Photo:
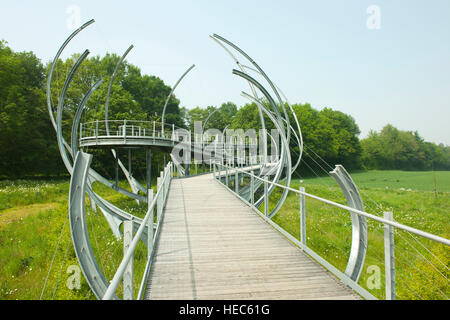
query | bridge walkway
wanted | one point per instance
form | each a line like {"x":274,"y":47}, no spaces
{"x":214,"y":246}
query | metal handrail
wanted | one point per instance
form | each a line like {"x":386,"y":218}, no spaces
{"x":359,"y":212}
{"x":388,"y":222}
{"x":150,"y":129}
{"x":161,"y":192}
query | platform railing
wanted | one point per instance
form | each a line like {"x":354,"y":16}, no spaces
{"x":153,"y":225}
{"x":127,"y":128}
{"x":228,"y":176}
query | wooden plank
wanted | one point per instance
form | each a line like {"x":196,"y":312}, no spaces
{"x":213,"y":246}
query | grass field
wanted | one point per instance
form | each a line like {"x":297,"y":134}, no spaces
{"x":33,"y":223}
{"x":36,"y":249}
{"x":422,"y":266}
{"x":395,"y":179}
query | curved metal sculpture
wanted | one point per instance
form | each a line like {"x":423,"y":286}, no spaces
{"x":116,"y":69}
{"x":348,"y":187}
{"x":80,"y":237}
{"x":359,"y":224}
{"x":168,"y":98}
{"x":278,"y":120}
{"x":135,"y":186}
{"x":78,"y":163}
{"x":83,"y":177}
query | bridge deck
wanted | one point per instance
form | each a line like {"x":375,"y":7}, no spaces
{"x":213,"y":246}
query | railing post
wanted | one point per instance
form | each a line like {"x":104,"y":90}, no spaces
{"x":96,"y":131}
{"x":116,"y":163}
{"x":158,"y":200}
{"x":389,"y":258}
{"x":252,"y":187}
{"x":154,"y":128}
{"x":236,"y":181}
{"x":266,"y":197}
{"x":226,"y":176}
{"x":148,"y":164}
{"x":81,"y":131}
{"x":125,"y":130}
{"x":128,"y":274}
{"x":160,"y":184}
{"x":302,"y":217}
{"x":150,"y":224}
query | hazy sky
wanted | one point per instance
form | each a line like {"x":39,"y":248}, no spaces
{"x":379,"y":61}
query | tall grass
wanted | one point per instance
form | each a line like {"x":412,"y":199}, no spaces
{"x":37,"y":250}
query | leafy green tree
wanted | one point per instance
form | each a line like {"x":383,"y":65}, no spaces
{"x":27,"y":138}
{"x":396,"y":149}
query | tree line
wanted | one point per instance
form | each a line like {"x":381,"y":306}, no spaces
{"x":28,"y":141}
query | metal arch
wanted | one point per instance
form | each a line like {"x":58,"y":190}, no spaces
{"x":116,"y":69}
{"x":263,"y":74}
{"x":52,"y":68}
{"x":59,"y":111}
{"x":79,"y":233}
{"x":299,"y":137}
{"x":78,"y":226}
{"x":277,"y":152}
{"x":111,"y":215}
{"x":284,"y":147}
{"x":280,"y":168}
{"x":359,"y":224}
{"x":263,"y":125}
{"x":77,"y":117}
{"x":135,"y":186}
{"x":62,"y":142}
{"x":168,"y":97}
{"x":207,"y":118}
{"x":272,"y":102}
{"x":80,"y":184}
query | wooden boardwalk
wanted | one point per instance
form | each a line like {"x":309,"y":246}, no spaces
{"x":213,"y":246}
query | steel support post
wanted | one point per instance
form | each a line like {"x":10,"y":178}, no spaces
{"x":150,"y":224}
{"x":125,"y":131}
{"x":266,"y":197}
{"x":148,"y":168}
{"x":159,"y":204}
{"x":96,"y":131}
{"x":128,"y":274}
{"x":129,"y":162}
{"x":117,"y":169}
{"x":302,"y":217}
{"x":226,"y":176}
{"x":236,"y":182}
{"x":389,"y":258}
{"x":252,"y":187}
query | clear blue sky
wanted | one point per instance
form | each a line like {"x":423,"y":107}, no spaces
{"x":321,"y":52}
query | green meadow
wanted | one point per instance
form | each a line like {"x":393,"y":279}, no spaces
{"x":422,"y":266}
{"x":37,"y":256}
